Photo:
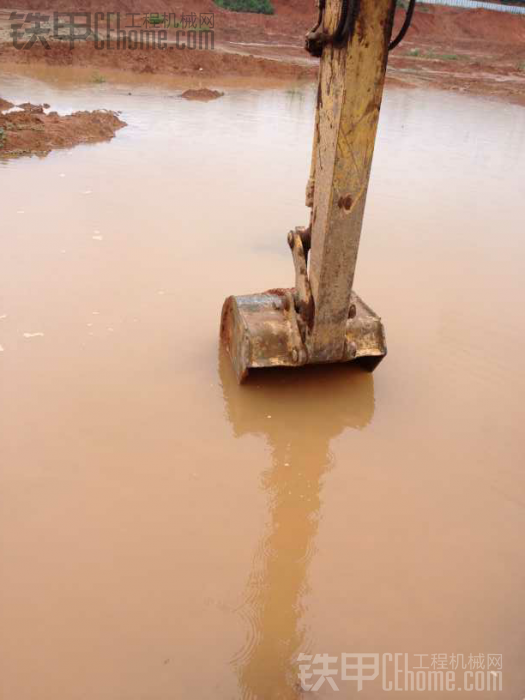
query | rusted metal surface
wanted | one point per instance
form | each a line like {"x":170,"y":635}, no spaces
{"x":321,"y":319}
{"x":321,"y":36}
{"x":299,"y":242}
{"x":349,"y":98}
{"x":262,"y":330}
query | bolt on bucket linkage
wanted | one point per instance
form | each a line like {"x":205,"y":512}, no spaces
{"x":322,"y":319}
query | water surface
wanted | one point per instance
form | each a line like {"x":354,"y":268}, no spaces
{"x":167,"y":534}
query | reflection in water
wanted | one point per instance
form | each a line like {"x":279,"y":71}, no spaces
{"x":273,"y":404}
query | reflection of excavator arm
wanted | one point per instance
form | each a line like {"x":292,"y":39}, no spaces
{"x":274,"y":599}
{"x":321,"y":319}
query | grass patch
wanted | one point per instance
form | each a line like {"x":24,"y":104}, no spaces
{"x":441,"y":56}
{"x":154,"y":18}
{"x":263,"y":7}
{"x":416,"y":53}
{"x":521,"y":66}
{"x":98,"y":78}
{"x":447,"y":56}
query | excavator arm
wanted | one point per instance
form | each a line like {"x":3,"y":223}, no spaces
{"x":321,"y":319}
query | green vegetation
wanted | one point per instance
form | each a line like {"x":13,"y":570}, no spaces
{"x":416,"y":53}
{"x":446,"y":56}
{"x":154,"y":18}
{"x":98,"y":78}
{"x":2,"y":137}
{"x":263,"y":7}
{"x":521,"y":66}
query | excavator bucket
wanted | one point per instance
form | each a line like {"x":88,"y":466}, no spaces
{"x":263,"y":330}
{"x":321,"y":319}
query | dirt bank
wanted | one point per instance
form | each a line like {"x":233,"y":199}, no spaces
{"x":203,"y":64}
{"x":32,"y":131}
{"x":478,"y":51}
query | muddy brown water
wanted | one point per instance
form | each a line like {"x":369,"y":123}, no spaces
{"x":167,"y":534}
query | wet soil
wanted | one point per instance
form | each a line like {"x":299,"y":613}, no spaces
{"x":472,"y":51}
{"x":475,"y":51}
{"x":32,"y":131}
{"x":203,"y":64}
{"x":202,"y":95}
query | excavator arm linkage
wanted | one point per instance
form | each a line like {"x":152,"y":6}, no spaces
{"x":322,"y":319}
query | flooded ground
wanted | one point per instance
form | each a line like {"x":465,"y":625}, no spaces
{"x":167,"y":534}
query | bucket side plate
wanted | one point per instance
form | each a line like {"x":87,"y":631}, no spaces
{"x":365,"y":336}
{"x":262,"y":330}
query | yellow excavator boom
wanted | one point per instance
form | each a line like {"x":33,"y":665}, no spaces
{"x":321,"y":319}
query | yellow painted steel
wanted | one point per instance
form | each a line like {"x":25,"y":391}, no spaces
{"x":322,"y":319}
{"x":349,"y":98}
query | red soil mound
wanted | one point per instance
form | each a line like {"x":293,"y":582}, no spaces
{"x":31,"y":131}
{"x":202,"y":95}
{"x":295,"y":16}
{"x":460,"y":49}
{"x":204,"y":64}
{"x":450,"y":23}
